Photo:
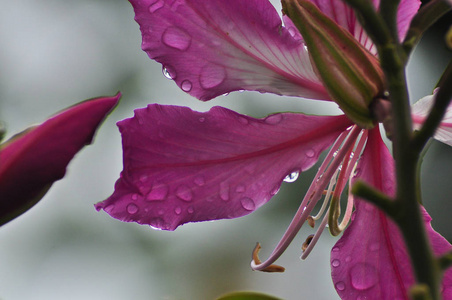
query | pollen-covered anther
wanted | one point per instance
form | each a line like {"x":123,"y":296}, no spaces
{"x":307,"y":242}
{"x":257,"y":261}
{"x":311,"y":221}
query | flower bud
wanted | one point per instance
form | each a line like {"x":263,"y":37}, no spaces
{"x":350,"y":73}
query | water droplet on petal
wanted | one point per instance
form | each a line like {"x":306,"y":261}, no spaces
{"x":212,"y":76}
{"x":335,"y":249}
{"x":199,"y":180}
{"x":176,"y":38}
{"x":158,"y":193}
{"x":168,"y":72}
{"x":363,"y":276}
{"x":243,"y":120}
{"x":340,"y":286}
{"x":202,"y":119}
{"x":178,"y":210}
{"x":274,"y":191}
{"x":274,"y":119}
{"x":291,"y":177}
{"x":224,"y":191}
{"x":190,"y":209}
{"x":132,"y":208}
{"x":336,"y":263}
{"x":186,"y":86}
{"x":310,"y":153}
{"x":248,"y":203}
{"x":134,"y":196}
{"x":156,"y":6}
{"x":183,"y":192}
{"x":240,"y":188}
{"x":158,"y":224}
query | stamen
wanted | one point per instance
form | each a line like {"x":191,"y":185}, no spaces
{"x":307,"y":242}
{"x":314,"y":193}
{"x":314,"y":239}
{"x":349,"y":166}
{"x":311,"y":221}
{"x":257,"y":261}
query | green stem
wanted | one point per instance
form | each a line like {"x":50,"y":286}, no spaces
{"x":381,"y":200}
{"x":388,"y":11}
{"x":409,"y":216}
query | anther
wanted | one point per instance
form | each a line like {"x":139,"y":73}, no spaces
{"x":257,"y":261}
{"x":311,"y":221}
{"x":307,"y":242}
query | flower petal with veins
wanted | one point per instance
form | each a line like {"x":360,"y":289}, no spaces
{"x":214,"y":47}
{"x":370,"y":260}
{"x":183,"y":166}
{"x":421,"y":109}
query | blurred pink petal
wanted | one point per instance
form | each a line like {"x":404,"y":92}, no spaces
{"x":33,"y":160}
{"x":214,"y":47}
{"x":184,"y":166}
{"x":421,"y":109}
{"x":370,"y":260}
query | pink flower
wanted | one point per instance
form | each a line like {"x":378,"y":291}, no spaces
{"x":33,"y":160}
{"x":183,"y":166}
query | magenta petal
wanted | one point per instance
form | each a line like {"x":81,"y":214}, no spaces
{"x":406,"y":11}
{"x":370,"y":260}
{"x":184,"y":166}
{"x":33,"y":160}
{"x":214,"y":47}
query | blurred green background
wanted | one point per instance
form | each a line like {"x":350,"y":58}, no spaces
{"x":56,"y":53}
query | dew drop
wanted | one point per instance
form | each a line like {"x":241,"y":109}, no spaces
{"x":340,"y":286}
{"x":183,"y":192}
{"x":336,"y":263}
{"x":132,"y":208}
{"x":224,"y":191}
{"x":335,"y":249}
{"x":240,"y":188}
{"x":158,"y":193}
{"x":178,"y":210}
{"x":243,"y":120}
{"x":190,"y":209}
{"x":134,"y":196}
{"x":158,"y":224}
{"x":310,"y":153}
{"x":186,"y":86}
{"x":176,"y":38}
{"x":202,"y":120}
{"x":248,"y":203}
{"x":274,"y":119}
{"x":199,"y":181}
{"x":212,"y":76}
{"x":292,"y":176}
{"x":156,"y":6}
{"x":168,"y":72}
{"x":274,"y":191}
{"x":363,"y":276}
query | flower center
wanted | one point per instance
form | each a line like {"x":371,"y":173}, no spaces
{"x":329,"y":183}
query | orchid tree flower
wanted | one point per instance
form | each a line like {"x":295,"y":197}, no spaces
{"x":184,"y":166}
{"x":31,"y":161}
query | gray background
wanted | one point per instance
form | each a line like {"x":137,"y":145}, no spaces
{"x":56,"y":53}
